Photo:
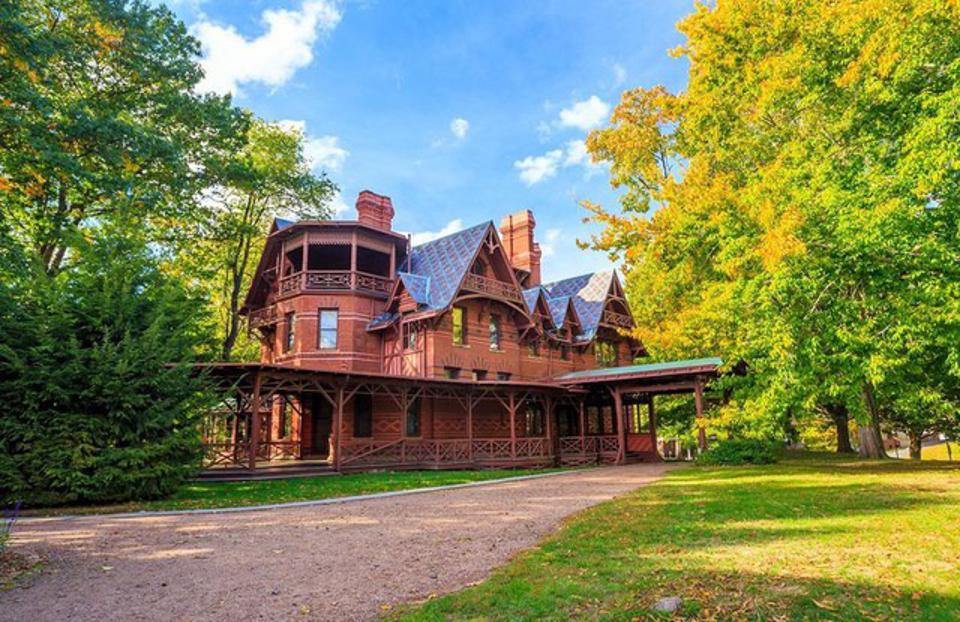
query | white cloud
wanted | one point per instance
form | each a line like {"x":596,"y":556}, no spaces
{"x":534,"y":169}
{"x":427,"y":236}
{"x":548,"y":244}
{"x":586,"y":114}
{"x":619,"y":75}
{"x":459,"y":128}
{"x":339,"y":206}
{"x":286,"y":45}
{"x":321,"y":152}
{"x":324,"y":152}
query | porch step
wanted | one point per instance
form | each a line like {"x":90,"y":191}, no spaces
{"x":277,"y":471}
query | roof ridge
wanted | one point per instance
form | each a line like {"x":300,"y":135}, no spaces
{"x":578,"y":276}
{"x":458,"y":232}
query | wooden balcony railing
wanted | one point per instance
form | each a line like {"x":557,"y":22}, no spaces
{"x":438,"y":452}
{"x":266,"y":316}
{"x":493,"y":287}
{"x":334,"y":280}
{"x":617,"y":320}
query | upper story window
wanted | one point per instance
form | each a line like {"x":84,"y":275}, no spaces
{"x":459,"y":319}
{"x":533,"y":347}
{"x":564,"y":352}
{"x":410,"y":336}
{"x":479,"y":267}
{"x":289,"y":331}
{"x":605,"y":353}
{"x":495,"y":332}
{"x":327,"y":329}
{"x":503,"y":376}
{"x":479,"y":374}
{"x":451,"y":372}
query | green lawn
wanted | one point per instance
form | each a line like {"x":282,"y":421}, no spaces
{"x":819,"y":538}
{"x":233,"y":494}
{"x":939,"y":452}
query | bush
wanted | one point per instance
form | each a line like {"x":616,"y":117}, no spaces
{"x":739,"y":451}
{"x":92,"y":411}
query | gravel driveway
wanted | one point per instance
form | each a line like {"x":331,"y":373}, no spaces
{"x":332,"y":562}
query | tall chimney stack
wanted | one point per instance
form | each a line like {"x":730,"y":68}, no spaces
{"x":524,"y":253}
{"x":375,"y":210}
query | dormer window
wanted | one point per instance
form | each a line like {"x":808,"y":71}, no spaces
{"x":410,"y":336}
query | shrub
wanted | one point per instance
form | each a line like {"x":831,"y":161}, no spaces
{"x":739,"y":451}
{"x":92,"y":411}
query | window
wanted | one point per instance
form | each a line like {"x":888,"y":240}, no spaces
{"x":459,"y":326}
{"x":290,"y":321}
{"x":593,"y":420}
{"x":479,"y":374}
{"x":533,"y":348}
{"x":410,"y":336}
{"x":494,"y":332}
{"x":479,"y":267}
{"x":283,"y":427}
{"x":564,"y":352}
{"x":362,"y":416}
{"x":413,"y":417}
{"x":451,"y":372}
{"x":327,"y":329}
{"x":605,"y":353}
{"x":534,"y":421}
{"x":639,"y":418}
{"x":503,"y":376}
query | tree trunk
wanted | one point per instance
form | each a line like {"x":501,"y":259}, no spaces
{"x":871,"y":440}
{"x":915,"y":447}
{"x":841,"y":421}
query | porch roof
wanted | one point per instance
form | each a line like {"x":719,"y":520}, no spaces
{"x":650,"y":371}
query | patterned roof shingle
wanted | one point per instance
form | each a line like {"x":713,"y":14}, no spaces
{"x":444,"y":262}
{"x":589,"y":294}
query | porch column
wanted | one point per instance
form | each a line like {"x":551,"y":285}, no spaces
{"x":254,"y":422}
{"x":470,"y":427}
{"x":513,"y":426}
{"x":701,"y":424}
{"x":621,"y":429}
{"x":303,"y":261}
{"x":653,"y":421}
{"x":549,"y":414}
{"x":583,"y":425}
{"x":337,"y":428}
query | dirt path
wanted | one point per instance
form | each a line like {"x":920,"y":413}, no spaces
{"x":333,"y":562}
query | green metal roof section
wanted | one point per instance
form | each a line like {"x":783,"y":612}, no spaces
{"x":650,"y":368}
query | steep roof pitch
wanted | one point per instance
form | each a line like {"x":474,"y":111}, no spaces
{"x":443,"y":262}
{"x":589,"y":295}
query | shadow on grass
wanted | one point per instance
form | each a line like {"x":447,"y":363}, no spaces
{"x":757,"y":543}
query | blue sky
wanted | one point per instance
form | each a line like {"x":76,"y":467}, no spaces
{"x":459,"y":111}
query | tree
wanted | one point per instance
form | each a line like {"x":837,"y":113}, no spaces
{"x":797,"y":205}
{"x":99,"y":122}
{"x":95,"y":367}
{"x":269,"y":177}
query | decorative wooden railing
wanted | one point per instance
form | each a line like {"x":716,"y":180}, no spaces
{"x":578,"y":445}
{"x":266,"y":316}
{"x":333,"y":280}
{"x":223,"y":454}
{"x":493,"y":287}
{"x":278,"y":450}
{"x":618,"y":320}
{"x":438,"y":452}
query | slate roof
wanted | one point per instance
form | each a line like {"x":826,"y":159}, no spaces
{"x":443,"y":263}
{"x":530,"y":297}
{"x":588,"y":291}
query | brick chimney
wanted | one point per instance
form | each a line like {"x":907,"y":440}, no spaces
{"x":375,"y":210}
{"x":524,"y":253}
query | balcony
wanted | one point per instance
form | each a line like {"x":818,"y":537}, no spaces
{"x":334,"y":281}
{"x":617,"y":320}
{"x":260,"y":318}
{"x":492,"y":287}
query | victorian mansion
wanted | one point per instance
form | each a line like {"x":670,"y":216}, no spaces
{"x":452,"y":353}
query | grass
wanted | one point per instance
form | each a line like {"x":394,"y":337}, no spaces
{"x":816,"y":538}
{"x":203,"y":495}
{"x":939,"y":452}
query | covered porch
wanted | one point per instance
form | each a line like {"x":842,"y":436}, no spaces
{"x":274,"y":415}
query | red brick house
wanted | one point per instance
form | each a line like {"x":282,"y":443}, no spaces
{"x":453,"y":353}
